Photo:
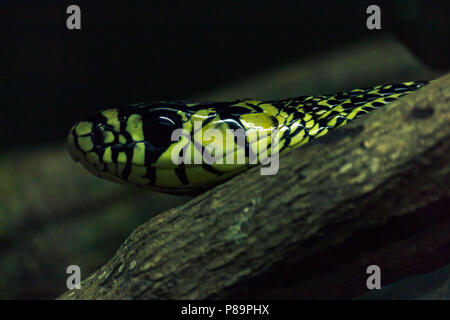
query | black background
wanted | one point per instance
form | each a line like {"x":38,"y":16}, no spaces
{"x":133,"y":51}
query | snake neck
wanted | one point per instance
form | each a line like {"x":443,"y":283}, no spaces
{"x":309,"y":117}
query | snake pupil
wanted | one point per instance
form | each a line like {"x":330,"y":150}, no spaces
{"x":163,"y":132}
{"x":158,"y":128}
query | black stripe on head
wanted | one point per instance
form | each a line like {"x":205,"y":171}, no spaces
{"x":97,"y":119}
{"x":151,"y":175}
{"x":181,"y":174}
{"x":127,"y":169}
{"x":152,"y":153}
{"x":122,"y":115}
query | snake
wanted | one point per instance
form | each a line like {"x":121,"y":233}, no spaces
{"x":135,"y":144}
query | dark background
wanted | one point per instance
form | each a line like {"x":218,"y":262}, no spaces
{"x":131,"y":51}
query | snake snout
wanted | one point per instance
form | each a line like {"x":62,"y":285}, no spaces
{"x":80,"y":147}
{"x":70,"y":144}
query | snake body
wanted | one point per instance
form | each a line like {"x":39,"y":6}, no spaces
{"x":134,"y":145}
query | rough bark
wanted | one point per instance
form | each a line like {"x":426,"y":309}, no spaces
{"x":373,"y":192}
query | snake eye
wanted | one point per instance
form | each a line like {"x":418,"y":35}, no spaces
{"x":97,"y":136}
{"x":158,"y":126}
{"x":161,"y":131}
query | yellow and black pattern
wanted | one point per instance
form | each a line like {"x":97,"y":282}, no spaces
{"x":133,"y":144}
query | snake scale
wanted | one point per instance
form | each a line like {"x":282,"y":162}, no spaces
{"x":134,"y":144}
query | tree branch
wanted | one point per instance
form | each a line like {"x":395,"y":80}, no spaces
{"x":373,"y":192}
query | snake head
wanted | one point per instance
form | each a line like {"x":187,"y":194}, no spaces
{"x":140,"y":144}
{"x":121,"y":144}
